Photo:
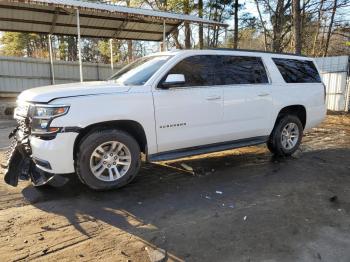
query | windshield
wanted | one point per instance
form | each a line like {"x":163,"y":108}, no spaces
{"x":138,"y":72}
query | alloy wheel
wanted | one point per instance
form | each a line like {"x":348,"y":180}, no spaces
{"x":290,"y":136}
{"x":110,"y":161}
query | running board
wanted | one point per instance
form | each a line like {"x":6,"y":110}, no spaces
{"x":205,"y":149}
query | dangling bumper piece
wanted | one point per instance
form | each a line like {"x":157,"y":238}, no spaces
{"x":20,"y":163}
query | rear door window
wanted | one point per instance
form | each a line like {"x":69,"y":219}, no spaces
{"x":235,"y":70}
{"x":297,"y":71}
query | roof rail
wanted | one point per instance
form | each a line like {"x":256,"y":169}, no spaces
{"x":254,"y":51}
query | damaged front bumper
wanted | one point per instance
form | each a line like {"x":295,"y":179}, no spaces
{"x":20,"y":164}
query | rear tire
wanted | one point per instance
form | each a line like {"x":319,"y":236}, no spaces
{"x":108,"y":159}
{"x":286,"y":136}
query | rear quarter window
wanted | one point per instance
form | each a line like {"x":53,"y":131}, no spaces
{"x":297,"y":71}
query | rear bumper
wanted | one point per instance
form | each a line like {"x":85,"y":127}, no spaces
{"x":55,"y":155}
{"x":315,"y":116}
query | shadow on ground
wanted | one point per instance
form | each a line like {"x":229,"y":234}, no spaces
{"x":246,"y":207}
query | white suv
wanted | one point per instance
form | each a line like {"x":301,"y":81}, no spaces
{"x":168,"y":105}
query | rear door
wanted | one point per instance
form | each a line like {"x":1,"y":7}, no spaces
{"x":247,"y":97}
{"x":189,"y":114}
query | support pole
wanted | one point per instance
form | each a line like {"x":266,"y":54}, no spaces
{"x":52,"y":70}
{"x":164,"y":36}
{"x":111,"y":49}
{"x":79,"y":47}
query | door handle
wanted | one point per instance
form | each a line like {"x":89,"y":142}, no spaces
{"x":211,"y":98}
{"x":263,"y":94}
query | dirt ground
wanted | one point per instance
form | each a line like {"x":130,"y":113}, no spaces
{"x":239,"y":205}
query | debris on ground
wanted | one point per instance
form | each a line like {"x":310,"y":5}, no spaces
{"x":156,"y":255}
{"x":218,"y":192}
{"x":187,"y":167}
{"x":125,"y":254}
{"x":333,"y":199}
{"x":46,"y":228}
{"x":207,"y":197}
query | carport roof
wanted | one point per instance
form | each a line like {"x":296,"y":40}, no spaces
{"x":96,"y":19}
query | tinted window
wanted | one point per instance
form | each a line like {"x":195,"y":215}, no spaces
{"x":198,"y":70}
{"x":241,"y":70}
{"x":297,"y":71}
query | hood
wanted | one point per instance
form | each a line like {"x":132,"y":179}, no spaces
{"x":45,"y":94}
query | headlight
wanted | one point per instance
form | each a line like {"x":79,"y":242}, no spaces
{"x":49,"y":111}
{"x":42,"y":116}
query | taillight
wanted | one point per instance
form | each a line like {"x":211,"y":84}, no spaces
{"x":324,"y":92}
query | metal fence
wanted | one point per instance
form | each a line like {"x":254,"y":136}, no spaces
{"x":335,"y":74}
{"x":18,"y":74}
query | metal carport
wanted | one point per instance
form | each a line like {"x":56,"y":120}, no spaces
{"x":87,"y":19}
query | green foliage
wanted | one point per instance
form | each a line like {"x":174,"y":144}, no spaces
{"x":13,"y":44}
{"x":23,"y":44}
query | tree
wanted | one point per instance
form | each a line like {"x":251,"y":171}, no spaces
{"x":200,"y":31}
{"x":24,"y":44}
{"x":235,"y":38}
{"x":262,"y":24}
{"x":14,"y":44}
{"x":186,"y":10}
{"x":297,"y":26}
{"x":329,"y":34}
{"x":217,"y":10}
{"x":279,"y":15}
{"x":318,"y":26}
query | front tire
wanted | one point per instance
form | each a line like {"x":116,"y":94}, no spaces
{"x":108,"y":159}
{"x":286,"y":136}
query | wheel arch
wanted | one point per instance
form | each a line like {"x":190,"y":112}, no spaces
{"x":132,"y":127}
{"x":297,"y":110}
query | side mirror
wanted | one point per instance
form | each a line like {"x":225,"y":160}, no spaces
{"x":173,"y":80}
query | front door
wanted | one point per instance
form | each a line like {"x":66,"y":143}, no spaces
{"x":191,"y":113}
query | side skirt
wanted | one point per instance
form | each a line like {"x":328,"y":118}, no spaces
{"x":205,"y":149}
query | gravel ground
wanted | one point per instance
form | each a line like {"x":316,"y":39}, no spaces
{"x":239,"y":205}
{"x":6,"y":126}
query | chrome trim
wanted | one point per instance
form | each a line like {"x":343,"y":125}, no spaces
{"x":45,"y":132}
